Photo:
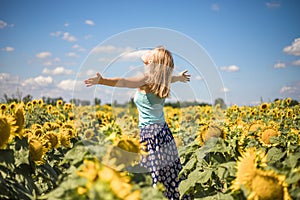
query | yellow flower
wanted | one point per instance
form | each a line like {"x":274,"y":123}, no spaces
{"x":20,"y":119}
{"x":52,"y":137}
{"x":40,"y":102}
{"x":38,"y":132}
{"x":71,"y":116}
{"x":81,"y":190}
{"x":255,"y":127}
{"x":65,"y":139}
{"x":49,"y":108}
{"x":3,"y":107}
{"x":59,"y":103}
{"x":266,"y":185}
{"x":34,"y":102}
{"x":288,"y":101}
{"x":246,"y":170}
{"x":89,"y":133}
{"x":7,"y":129}
{"x":266,"y":135}
{"x":209,"y":131}
{"x":89,"y":170}
{"x":29,"y":105}
{"x":264,"y":106}
{"x":12,"y":106}
{"x":36,"y":149}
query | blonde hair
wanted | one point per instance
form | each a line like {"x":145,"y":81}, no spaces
{"x":160,"y":72}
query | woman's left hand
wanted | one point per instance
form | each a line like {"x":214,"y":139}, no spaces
{"x":184,"y":77}
{"x":93,"y":80}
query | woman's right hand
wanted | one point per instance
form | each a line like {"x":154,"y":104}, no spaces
{"x":93,"y":80}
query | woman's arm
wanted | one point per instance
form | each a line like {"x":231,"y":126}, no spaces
{"x":131,"y":82}
{"x":182,"y":77}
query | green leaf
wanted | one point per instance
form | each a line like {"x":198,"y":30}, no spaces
{"x":293,"y":177}
{"x":292,"y":160}
{"x":275,"y":154}
{"x":22,"y":156}
{"x":190,"y":164}
{"x":7,"y":158}
{"x":204,"y":176}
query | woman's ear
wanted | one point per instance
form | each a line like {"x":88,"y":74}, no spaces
{"x":150,"y":61}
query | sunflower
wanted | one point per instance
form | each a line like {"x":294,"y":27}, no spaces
{"x":255,"y":127}
{"x":209,"y":131}
{"x":89,"y":170}
{"x":20,"y":119}
{"x":71,"y":116}
{"x":59,"y":103}
{"x":40,"y":102}
{"x":125,"y":151}
{"x":38,"y":132}
{"x":288,"y":101}
{"x":89,"y":133}
{"x":50,"y":126}
{"x":36,"y":150}
{"x":246,"y":169}
{"x":12,"y":106}
{"x":29,"y":105}
{"x":266,"y":135}
{"x":267,"y":185}
{"x":7,"y":130}
{"x":3,"y":107}
{"x":52,"y":137}
{"x":65,"y":139}
{"x":34,"y":102}
{"x":119,"y":183}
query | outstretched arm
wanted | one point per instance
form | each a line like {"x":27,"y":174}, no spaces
{"x":132,"y":82}
{"x":182,"y":77}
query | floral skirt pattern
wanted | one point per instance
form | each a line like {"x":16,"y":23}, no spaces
{"x":162,"y":159}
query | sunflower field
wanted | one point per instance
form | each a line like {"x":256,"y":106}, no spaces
{"x":65,"y":151}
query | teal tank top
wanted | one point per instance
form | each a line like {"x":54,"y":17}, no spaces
{"x":150,"y":108}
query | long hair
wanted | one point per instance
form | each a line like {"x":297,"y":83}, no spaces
{"x":160,"y":72}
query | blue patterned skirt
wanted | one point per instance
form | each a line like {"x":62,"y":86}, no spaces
{"x":162,"y":159}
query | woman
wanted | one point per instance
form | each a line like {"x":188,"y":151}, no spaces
{"x":162,"y":158}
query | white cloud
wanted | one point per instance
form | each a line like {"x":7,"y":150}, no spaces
{"x":90,"y":72}
{"x":292,"y":90}
{"x":296,"y":63}
{"x":273,"y":4}
{"x":86,"y":37}
{"x":72,"y":54}
{"x":230,"y":68}
{"x":198,"y":78}
{"x":287,"y":89}
{"x":38,"y":81}
{"x":70,"y":38}
{"x":294,"y":48}
{"x":56,"y":34}
{"x":224,"y":89}
{"x":67,"y":84}
{"x":215,"y":7}
{"x":89,"y":22}
{"x":132,"y":56}
{"x":78,"y":48}
{"x":111,"y":49}
{"x":8,"y":49}
{"x":47,"y":63}
{"x":57,"y":71}
{"x":44,"y":54}
{"x":279,"y":65}
{"x":3,"y":24}
{"x":66,"y":24}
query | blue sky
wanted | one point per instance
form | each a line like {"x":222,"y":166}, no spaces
{"x":46,"y":46}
